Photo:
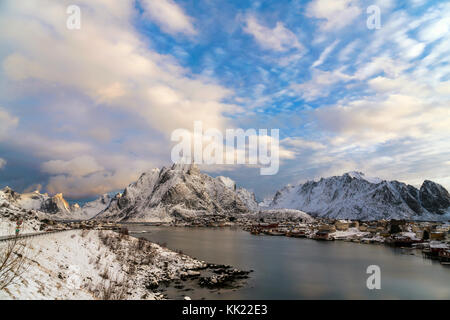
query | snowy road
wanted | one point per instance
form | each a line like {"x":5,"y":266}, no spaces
{"x":29,"y":235}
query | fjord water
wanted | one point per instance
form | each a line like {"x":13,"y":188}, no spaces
{"x":291,"y":268}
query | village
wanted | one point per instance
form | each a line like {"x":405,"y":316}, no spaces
{"x":433,"y":238}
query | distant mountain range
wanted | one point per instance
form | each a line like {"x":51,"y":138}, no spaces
{"x":356,"y":196}
{"x":183,"y":193}
{"x":55,"y":207}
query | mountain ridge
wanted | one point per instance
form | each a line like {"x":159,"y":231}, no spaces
{"x":355,"y":196}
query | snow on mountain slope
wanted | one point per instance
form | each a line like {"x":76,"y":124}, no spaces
{"x":180,"y":192}
{"x":90,"y":209}
{"x":246,"y":196}
{"x":56,"y":207}
{"x":354,"y":196}
{"x":228,"y":182}
{"x":285,"y":215}
{"x":10,"y":213}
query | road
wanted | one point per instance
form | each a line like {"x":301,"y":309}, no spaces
{"x":29,"y":235}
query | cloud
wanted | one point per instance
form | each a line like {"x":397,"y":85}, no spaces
{"x":117,"y":100}
{"x":320,"y":85}
{"x":79,"y":166}
{"x":301,"y":144}
{"x":336,"y":13}
{"x":169,"y":16}
{"x":278,"y":39}
{"x":76,"y":186}
{"x":7,"y":122}
{"x":2,"y":163}
{"x":435,"y":30}
{"x":33,"y":187}
{"x":345,"y":53}
{"x":402,"y":109}
{"x":324,"y":55}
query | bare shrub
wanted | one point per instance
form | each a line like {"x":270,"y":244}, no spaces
{"x":123,"y":232}
{"x":105,"y":274}
{"x":84,"y":233}
{"x":141,"y":244}
{"x":13,"y":262}
{"x":115,"y":288}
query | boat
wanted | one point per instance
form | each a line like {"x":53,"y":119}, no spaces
{"x":297,"y":234}
{"x":444,"y":256}
{"x":274,"y":233}
{"x":322,"y":235}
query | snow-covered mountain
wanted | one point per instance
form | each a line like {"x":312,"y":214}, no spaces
{"x":90,"y":209}
{"x":10,"y":212}
{"x":245,"y":195}
{"x":56,"y":207}
{"x":180,"y":192}
{"x":355,"y":196}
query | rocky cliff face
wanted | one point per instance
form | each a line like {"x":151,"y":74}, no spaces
{"x":180,"y":192}
{"x":434,"y":197}
{"x":355,"y":196}
{"x":56,"y":207}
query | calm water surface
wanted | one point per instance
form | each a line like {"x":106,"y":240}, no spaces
{"x":290,"y":268}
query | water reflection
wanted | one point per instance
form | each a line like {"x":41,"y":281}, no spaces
{"x":290,"y":268}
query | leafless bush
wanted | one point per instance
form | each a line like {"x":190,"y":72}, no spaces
{"x":105,"y":274}
{"x":84,"y":233}
{"x":115,"y":288}
{"x":13,"y":261}
{"x":141,"y":244}
{"x":123,"y":232}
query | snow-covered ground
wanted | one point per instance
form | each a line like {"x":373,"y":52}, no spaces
{"x":7,"y":228}
{"x":350,"y":233}
{"x":83,"y":264}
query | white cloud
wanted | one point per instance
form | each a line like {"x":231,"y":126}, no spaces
{"x":435,"y":30}
{"x":324,"y":55}
{"x":336,"y":13}
{"x":78,"y":167}
{"x":345,"y":53}
{"x":113,"y":85}
{"x":169,"y":16}
{"x":7,"y":122}
{"x":278,"y":39}
{"x":2,"y":163}
{"x":321,"y":84}
{"x":403,"y":109}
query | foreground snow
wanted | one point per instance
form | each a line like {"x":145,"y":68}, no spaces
{"x":81,"y":264}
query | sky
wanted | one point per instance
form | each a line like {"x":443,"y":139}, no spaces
{"x":85,"y":112}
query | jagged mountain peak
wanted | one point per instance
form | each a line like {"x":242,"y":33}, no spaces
{"x":178,"y":192}
{"x":356,"y":196}
{"x":362,"y":176}
{"x":54,"y":207}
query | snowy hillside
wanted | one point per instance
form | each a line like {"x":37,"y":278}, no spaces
{"x":83,"y":264}
{"x":180,"y":192}
{"x":91,"y":209}
{"x":355,"y":196}
{"x":10,"y":212}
